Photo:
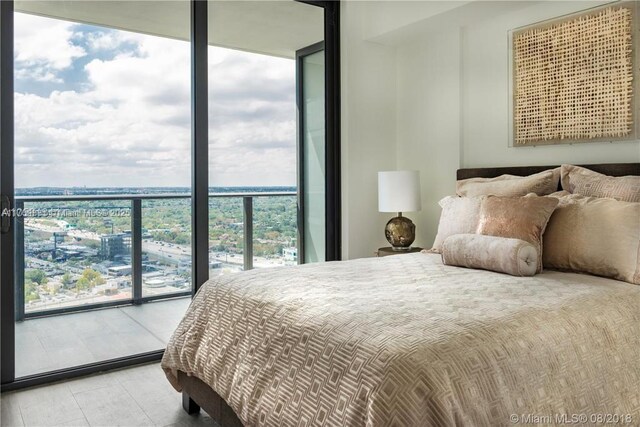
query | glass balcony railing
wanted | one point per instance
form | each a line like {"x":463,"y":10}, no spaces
{"x":83,"y":252}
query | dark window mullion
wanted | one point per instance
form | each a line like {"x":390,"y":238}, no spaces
{"x":7,"y":285}
{"x":333,"y":206}
{"x":199,"y":144}
{"x":136,"y":251}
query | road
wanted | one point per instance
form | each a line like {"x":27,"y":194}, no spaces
{"x":168,"y":253}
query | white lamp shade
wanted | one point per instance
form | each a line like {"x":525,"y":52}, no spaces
{"x":399,"y":191}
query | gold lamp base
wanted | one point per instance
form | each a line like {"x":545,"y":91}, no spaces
{"x":400,"y":233}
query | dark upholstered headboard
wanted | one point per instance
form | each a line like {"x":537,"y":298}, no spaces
{"x":612,"y":169}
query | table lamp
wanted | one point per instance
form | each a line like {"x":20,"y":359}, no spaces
{"x":399,"y":191}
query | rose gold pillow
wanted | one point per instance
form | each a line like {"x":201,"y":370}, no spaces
{"x":459,"y":216}
{"x":523,"y":218}
{"x":594,"y":235}
{"x":543,"y":183}
{"x":578,"y":180}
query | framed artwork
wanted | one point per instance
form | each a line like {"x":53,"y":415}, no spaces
{"x":575,"y":79}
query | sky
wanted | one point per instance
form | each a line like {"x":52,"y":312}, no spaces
{"x":98,"y":107}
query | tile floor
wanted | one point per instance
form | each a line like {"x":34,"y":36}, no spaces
{"x":138,"y":396}
{"x":57,"y":342}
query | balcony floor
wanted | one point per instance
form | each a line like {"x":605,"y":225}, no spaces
{"x":68,"y":340}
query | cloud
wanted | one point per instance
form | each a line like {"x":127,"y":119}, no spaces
{"x":108,"y":40}
{"x":252,"y":117}
{"x":43,"y":47}
{"x":122,"y":118}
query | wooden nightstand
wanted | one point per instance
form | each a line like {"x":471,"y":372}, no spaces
{"x":388,"y":251}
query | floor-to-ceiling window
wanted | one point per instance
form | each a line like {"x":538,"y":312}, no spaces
{"x":102,"y":177}
{"x":253,"y":131}
{"x":101,"y":163}
{"x":104,"y":162}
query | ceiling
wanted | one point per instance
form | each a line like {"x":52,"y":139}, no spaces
{"x":277,"y":28}
{"x":400,"y":22}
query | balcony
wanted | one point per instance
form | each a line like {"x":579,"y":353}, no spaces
{"x":105,"y":276}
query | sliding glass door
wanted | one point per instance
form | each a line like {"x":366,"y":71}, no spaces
{"x":312,"y":152}
{"x":102,"y":225}
{"x":253,"y":120}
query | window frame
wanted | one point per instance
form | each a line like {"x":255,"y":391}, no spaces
{"x":199,"y":165}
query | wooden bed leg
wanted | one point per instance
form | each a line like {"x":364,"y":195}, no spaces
{"x":189,"y":405}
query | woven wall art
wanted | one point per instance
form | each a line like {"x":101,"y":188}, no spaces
{"x":573,"y":79}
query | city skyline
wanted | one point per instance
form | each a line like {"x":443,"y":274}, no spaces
{"x":52,"y":190}
{"x":113,"y":107}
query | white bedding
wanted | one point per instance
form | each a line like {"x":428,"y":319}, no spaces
{"x":405,"y":340}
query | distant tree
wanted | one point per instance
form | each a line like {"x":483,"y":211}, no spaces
{"x":66,"y":279}
{"x":30,"y":291}
{"x":89,"y":279}
{"x":36,"y":276}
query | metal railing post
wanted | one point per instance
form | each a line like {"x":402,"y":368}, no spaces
{"x":19,"y":260}
{"x":136,"y":251}
{"x":247,"y":203}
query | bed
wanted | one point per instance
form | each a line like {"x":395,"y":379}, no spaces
{"x":406,"y":340}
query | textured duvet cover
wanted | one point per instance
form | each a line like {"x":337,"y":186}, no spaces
{"x":407,"y":341}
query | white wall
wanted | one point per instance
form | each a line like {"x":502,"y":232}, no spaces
{"x":428,"y":120}
{"x":368,"y":131}
{"x":485,"y":123}
{"x":448,"y":107}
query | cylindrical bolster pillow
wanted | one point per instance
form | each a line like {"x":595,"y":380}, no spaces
{"x":511,"y":256}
